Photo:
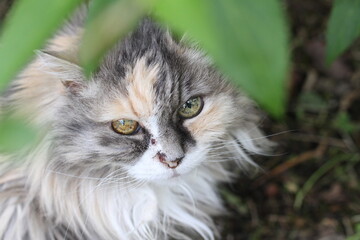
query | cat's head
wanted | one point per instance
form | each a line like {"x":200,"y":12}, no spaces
{"x":155,"y":110}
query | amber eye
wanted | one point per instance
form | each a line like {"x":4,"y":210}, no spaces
{"x":191,"y":107}
{"x":125,"y":126}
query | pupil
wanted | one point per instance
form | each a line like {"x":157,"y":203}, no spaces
{"x":188,"y":104}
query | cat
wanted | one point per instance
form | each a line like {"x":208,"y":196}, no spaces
{"x":136,"y":152}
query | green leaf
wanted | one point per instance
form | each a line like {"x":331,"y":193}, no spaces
{"x":246,"y":38}
{"x":356,"y":235}
{"x":235,"y":201}
{"x":343,"y":27}
{"x":96,"y":7}
{"x":343,"y":123}
{"x":29,"y":24}
{"x":108,"y":22}
{"x":14,"y":134}
{"x":311,"y":101}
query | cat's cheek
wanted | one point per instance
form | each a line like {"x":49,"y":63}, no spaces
{"x":194,"y":158}
{"x":212,"y":123}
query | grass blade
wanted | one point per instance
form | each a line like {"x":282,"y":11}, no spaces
{"x":315,"y":177}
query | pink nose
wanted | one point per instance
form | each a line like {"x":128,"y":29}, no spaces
{"x":170,"y":164}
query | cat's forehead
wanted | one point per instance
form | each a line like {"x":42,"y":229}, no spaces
{"x":148,"y":90}
{"x":144,"y":91}
{"x":150,"y":74}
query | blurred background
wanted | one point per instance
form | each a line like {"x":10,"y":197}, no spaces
{"x":309,"y":189}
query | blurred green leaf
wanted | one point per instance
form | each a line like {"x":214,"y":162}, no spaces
{"x":356,"y":236}
{"x":29,"y":24}
{"x":343,"y":27}
{"x":14,"y":134}
{"x":96,"y":7}
{"x":108,"y":22}
{"x":310,"y":102}
{"x":343,"y":123}
{"x":247,"y":39}
{"x":235,"y":201}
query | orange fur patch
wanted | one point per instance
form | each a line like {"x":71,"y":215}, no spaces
{"x":213,"y":120}
{"x":139,"y":102}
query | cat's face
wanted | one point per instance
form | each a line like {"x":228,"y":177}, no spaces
{"x":153,"y":111}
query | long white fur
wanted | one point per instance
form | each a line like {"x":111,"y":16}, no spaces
{"x":113,"y":210}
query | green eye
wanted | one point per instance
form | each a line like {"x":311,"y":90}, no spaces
{"x":125,"y":126}
{"x":191,"y":107}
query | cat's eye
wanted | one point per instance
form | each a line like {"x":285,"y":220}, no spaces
{"x":191,"y":108}
{"x":125,"y":126}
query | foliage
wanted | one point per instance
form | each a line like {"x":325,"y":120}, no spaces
{"x":29,"y":24}
{"x":14,"y":134}
{"x":100,"y":34}
{"x":300,"y":195}
{"x":344,"y":123}
{"x":343,"y":27}
{"x":356,"y":236}
{"x":231,"y":31}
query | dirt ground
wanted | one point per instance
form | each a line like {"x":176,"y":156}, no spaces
{"x":310,"y":189}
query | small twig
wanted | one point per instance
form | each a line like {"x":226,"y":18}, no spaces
{"x":349,"y":99}
{"x":310,"y":81}
{"x":348,"y":226}
{"x":303,"y":137}
{"x":349,"y":142}
{"x":318,"y":152}
{"x":254,"y":213}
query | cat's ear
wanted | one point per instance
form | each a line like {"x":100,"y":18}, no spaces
{"x":63,"y":67}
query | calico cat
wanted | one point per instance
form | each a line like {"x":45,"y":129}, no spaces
{"x":136,"y":152}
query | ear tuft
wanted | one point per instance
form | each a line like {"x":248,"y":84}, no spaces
{"x":73,"y":87}
{"x":69,"y":73}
